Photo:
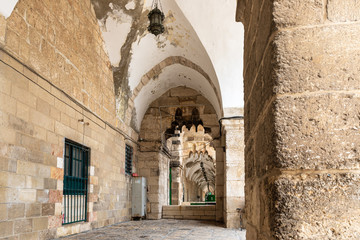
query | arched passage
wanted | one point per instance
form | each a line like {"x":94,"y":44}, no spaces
{"x":171,"y":72}
{"x":156,"y":158}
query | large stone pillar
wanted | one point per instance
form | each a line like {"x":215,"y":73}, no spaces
{"x":302,"y":101}
{"x":234,"y":172}
{"x":176,"y":184}
{"x":219,"y":179}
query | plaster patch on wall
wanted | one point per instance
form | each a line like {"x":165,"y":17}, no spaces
{"x":122,"y":22}
{"x":130,"y":6}
{"x":177,"y":35}
{"x":121,"y":73}
{"x":115,"y":28}
{"x":6,"y":7}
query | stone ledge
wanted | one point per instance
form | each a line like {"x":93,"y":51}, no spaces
{"x":189,"y":212}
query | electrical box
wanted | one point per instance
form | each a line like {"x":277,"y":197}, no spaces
{"x":139,"y":197}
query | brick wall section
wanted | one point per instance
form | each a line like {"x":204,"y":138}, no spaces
{"x":301,"y":118}
{"x":35,"y":117}
{"x":61,"y":40}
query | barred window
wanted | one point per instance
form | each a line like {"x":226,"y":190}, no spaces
{"x":76,"y":165}
{"x":128,"y":159}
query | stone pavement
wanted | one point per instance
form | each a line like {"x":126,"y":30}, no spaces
{"x":162,"y":229}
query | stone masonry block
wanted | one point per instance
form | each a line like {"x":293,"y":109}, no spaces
{"x":8,"y":105}
{"x":252,"y":210}
{"x":264,"y":146}
{"x":54,"y":221}
{"x":6,"y":228}
{"x":290,"y":13}
{"x":343,"y":11}
{"x":12,"y":180}
{"x":327,"y":137}
{"x":256,"y":41}
{"x":16,"y":210}
{"x":304,"y":202}
{"x":23,"y":226}
{"x":29,"y":236}
{"x":48,"y":209}
{"x":27,"y":195}
{"x":3,"y":212}
{"x":40,"y":223}
{"x":317,"y":59}
{"x":57,"y":173}
{"x":42,"y":196}
{"x":33,"y":210}
{"x":258,"y":94}
{"x":55,"y":196}
{"x":12,"y":40}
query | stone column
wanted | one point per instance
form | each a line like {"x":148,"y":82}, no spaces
{"x":176,"y":185}
{"x":219,"y":188}
{"x":234,"y":172}
{"x":302,"y":101}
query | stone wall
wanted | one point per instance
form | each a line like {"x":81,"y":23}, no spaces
{"x":55,"y":84}
{"x":301,"y":118}
{"x":35,"y":119}
{"x":61,"y":41}
{"x":154,"y":166}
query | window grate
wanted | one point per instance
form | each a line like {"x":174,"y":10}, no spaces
{"x":75,"y":182}
{"x":128,"y":159}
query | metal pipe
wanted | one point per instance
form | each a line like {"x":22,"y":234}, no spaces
{"x":228,"y":118}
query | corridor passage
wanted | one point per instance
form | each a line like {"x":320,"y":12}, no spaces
{"x":162,"y":229}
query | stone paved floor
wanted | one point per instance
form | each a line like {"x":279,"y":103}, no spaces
{"x":162,"y":229}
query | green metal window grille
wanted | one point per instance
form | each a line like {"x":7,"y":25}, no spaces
{"x":76,"y":164}
{"x":128,"y":159}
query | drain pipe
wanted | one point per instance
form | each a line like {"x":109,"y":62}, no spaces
{"x":228,"y":118}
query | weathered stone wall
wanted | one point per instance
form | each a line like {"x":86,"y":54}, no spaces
{"x":35,"y":117}
{"x":61,"y":76}
{"x":61,"y":41}
{"x":302,"y":118}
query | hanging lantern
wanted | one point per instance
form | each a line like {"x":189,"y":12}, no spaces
{"x":156,"y":17}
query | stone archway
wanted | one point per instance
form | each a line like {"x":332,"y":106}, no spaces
{"x":153,"y":74}
{"x":154,"y":159}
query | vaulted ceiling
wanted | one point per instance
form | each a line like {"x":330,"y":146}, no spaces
{"x":201,"y":48}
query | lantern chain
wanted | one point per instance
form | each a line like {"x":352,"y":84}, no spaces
{"x":157,"y":3}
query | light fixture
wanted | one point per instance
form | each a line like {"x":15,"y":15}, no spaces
{"x":156,"y":17}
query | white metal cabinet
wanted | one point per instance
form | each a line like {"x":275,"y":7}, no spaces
{"x":138,"y":197}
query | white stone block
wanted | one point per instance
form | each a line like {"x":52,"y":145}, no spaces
{"x":92,"y":171}
{"x":60,"y":162}
{"x":91,"y":188}
{"x":60,"y":185}
{"x":58,"y":207}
